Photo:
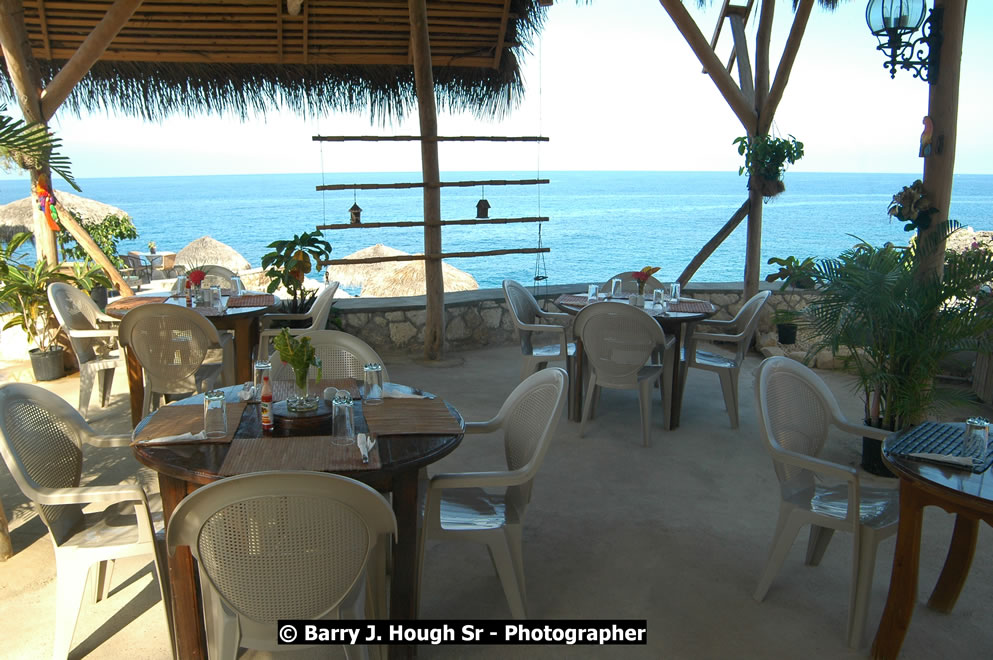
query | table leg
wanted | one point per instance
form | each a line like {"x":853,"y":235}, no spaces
{"x":403,"y":586}
{"x":136,"y":385}
{"x":576,"y":366}
{"x":245,"y":338}
{"x":903,"y":580}
{"x":187,"y":613}
{"x":957,"y":564}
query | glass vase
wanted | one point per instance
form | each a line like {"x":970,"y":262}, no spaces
{"x":301,"y":400}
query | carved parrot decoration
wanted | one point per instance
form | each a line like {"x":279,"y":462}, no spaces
{"x":926,"y":138}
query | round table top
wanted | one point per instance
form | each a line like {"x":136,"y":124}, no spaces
{"x":201,"y":463}
{"x":229,"y":312}
{"x":667,"y":318}
{"x":950,"y":482}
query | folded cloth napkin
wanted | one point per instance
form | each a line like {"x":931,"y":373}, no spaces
{"x":247,"y":393}
{"x":394,"y":393}
{"x":365,"y":443}
{"x":184,"y":438}
{"x":957,"y":461}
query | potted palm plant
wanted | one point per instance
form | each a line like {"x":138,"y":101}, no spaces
{"x":899,"y":323}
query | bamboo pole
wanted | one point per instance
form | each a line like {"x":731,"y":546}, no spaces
{"x":443,"y":223}
{"x":86,"y":55}
{"x":432,"y":184}
{"x":725,"y":83}
{"x":768,"y":111}
{"x":943,"y":109}
{"x":92,"y":249}
{"x":427,"y":257}
{"x":420,"y":43}
{"x":744,"y":62}
{"x":713,"y":244}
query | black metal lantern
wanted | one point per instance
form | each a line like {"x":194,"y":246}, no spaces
{"x":356,"y":214}
{"x":895,"y":24}
{"x":482,"y":209}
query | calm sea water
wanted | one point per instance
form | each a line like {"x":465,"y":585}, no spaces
{"x":601,"y":223}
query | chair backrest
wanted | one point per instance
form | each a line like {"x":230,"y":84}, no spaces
{"x":746,"y":321}
{"x":618,"y":340}
{"x":321,"y":308}
{"x":282,"y":545}
{"x":795,"y":409}
{"x":76,"y":311}
{"x":170,"y":342}
{"x":218,"y":276}
{"x":168,"y":261}
{"x":342,"y":356}
{"x":530,"y":416}
{"x":523,"y":309}
{"x":630,"y":285}
{"x":132,"y":261}
{"x":41,"y":442}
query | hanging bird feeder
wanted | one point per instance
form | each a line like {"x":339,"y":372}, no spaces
{"x":482,"y":206}
{"x":356,"y":214}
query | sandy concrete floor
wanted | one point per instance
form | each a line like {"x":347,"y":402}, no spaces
{"x":676,"y":534}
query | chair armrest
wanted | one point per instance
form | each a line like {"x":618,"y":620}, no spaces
{"x":863,"y":430}
{"x":107,"y":319}
{"x":556,"y":316}
{"x":109,"y":440}
{"x":818,"y":465}
{"x":476,"y":480}
{"x":267,"y":319}
{"x":93,"y":333}
{"x":489,"y":426}
{"x":539,"y":327}
{"x":88,"y":494}
{"x":716,"y":336}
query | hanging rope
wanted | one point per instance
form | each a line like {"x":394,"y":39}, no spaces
{"x":540,"y":269}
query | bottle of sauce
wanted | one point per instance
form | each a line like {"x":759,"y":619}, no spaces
{"x":266,"y":404}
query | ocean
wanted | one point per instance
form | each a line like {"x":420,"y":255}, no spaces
{"x":600,"y":223}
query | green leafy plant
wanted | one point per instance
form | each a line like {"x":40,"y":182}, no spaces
{"x":786,"y":316}
{"x":898,"y":323}
{"x":299,"y":354}
{"x":87,"y":275}
{"x":106,"y":234}
{"x":24,"y":289}
{"x":32,"y":146}
{"x":766,"y":157}
{"x":288,"y":264}
{"x":793,"y":272}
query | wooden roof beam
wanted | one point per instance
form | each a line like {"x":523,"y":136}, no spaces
{"x":785,"y":64}
{"x":498,"y":47}
{"x":88,"y":53}
{"x":725,"y":83}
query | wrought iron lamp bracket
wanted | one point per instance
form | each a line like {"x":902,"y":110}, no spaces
{"x":922,"y":55}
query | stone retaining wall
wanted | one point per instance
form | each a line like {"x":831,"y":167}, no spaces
{"x":480,"y":318}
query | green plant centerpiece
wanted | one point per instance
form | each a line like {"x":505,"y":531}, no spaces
{"x":793,"y":272}
{"x":299,"y":354}
{"x":766,"y":158}
{"x":288,"y":265}
{"x":894,"y":323}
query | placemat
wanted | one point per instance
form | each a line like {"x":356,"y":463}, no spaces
{"x":130,"y":302}
{"x":205,"y":310}
{"x":252,"y":300}
{"x":691,"y":307}
{"x":572,"y":300}
{"x":935,"y":438}
{"x":306,"y":452}
{"x":411,"y":417}
{"x":176,"y":420}
{"x":282,"y":389}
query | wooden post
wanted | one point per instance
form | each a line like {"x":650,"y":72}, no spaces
{"x":6,"y":548}
{"x":434,"y":326}
{"x":943,"y":108}
{"x":713,"y":244}
{"x":86,"y":241}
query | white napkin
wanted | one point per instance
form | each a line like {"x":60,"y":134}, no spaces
{"x":185,"y":438}
{"x":394,"y":393}
{"x":247,"y":393}
{"x":957,"y":461}
{"x":365,"y":443}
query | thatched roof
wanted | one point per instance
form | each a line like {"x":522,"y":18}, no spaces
{"x":356,"y":274}
{"x":206,"y":251}
{"x":255,"y":55}
{"x":408,"y":280}
{"x":15,"y":217}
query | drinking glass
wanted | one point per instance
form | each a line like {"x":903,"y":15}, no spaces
{"x":373,"y":392}
{"x":215,"y":420}
{"x":343,"y":421}
{"x":675,"y":292}
{"x":975,"y":440}
{"x":615,"y":287}
{"x":261,"y":369}
{"x":215,"y":297}
{"x":591,"y":294}
{"x":181,"y":285}
{"x":237,"y":286}
{"x":658,"y":299}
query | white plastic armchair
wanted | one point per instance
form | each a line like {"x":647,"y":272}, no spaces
{"x":93,"y":336}
{"x":739,"y":331}
{"x":529,"y":319}
{"x":284,"y":545}
{"x":41,"y":440}
{"x":795,"y":411}
{"x":626,"y":350}
{"x":317,"y":317}
{"x":489,"y":507}
{"x":342,"y":356}
{"x":173,"y":345}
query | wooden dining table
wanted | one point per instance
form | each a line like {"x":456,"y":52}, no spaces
{"x":677,"y":322}
{"x":182,"y":468}
{"x":243,"y":321}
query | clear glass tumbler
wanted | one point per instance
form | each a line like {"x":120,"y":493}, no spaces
{"x":615,"y":287}
{"x":592,"y":293}
{"x":976,"y":440}
{"x":261,"y":369}
{"x":343,"y":419}
{"x":372,"y":394}
{"x":237,"y":286}
{"x":215,"y":419}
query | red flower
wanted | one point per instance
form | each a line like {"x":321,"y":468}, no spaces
{"x":643,"y":274}
{"x":196,"y":276}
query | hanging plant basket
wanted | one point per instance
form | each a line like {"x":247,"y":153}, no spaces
{"x":771,"y":187}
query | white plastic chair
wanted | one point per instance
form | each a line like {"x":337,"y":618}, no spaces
{"x":622,"y":345}
{"x":529,"y":318}
{"x":795,"y":410}
{"x":93,"y":336}
{"x":41,"y":440}
{"x":283,"y":545}
{"x":342,"y":356}
{"x":489,"y":507}
{"x":173,"y":345}
{"x":317,"y":316}
{"x":738,"y":331}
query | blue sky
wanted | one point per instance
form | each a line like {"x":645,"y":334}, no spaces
{"x":615,"y":87}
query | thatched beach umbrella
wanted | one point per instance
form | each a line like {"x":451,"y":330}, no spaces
{"x":357,"y":274}
{"x":15,"y":217}
{"x":206,"y":251}
{"x":408,"y":280}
